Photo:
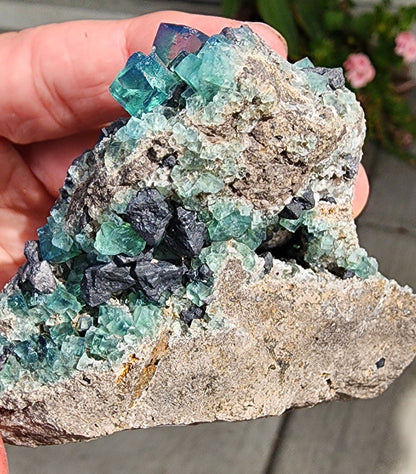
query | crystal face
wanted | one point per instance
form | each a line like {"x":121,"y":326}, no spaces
{"x":108,"y":272}
{"x":171,"y":40}
{"x":143,"y":84}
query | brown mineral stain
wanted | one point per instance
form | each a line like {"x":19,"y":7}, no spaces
{"x":127,"y":367}
{"x":149,"y":370}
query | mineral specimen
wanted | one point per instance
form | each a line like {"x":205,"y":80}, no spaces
{"x":201,"y":262}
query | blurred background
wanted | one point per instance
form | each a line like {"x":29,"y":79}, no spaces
{"x":361,"y":436}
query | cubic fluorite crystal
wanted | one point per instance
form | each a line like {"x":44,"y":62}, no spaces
{"x":201,"y":262}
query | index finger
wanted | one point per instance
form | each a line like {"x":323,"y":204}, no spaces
{"x":58,"y":75}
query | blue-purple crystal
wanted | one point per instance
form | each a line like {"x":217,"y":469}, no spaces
{"x":171,"y":40}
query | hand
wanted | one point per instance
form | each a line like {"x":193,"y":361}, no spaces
{"x":57,"y":99}
{"x":3,"y":459}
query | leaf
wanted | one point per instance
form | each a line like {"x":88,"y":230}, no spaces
{"x":230,"y":7}
{"x":333,"y":20}
{"x":279,"y":15}
{"x":309,"y":16}
{"x":406,"y":16}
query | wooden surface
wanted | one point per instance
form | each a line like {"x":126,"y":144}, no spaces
{"x":217,"y":448}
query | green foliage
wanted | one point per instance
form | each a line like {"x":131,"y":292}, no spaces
{"x":328,"y":31}
{"x":278,"y":14}
{"x":230,"y":7}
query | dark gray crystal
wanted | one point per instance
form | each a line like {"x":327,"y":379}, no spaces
{"x":36,"y":274}
{"x":169,"y":161}
{"x":32,"y":251}
{"x":185,"y":234}
{"x":329,"y":199}
{"x":188,"y":315}
{"x":343,"y":273}
{"x":350,"y":167}
{"x":155,"y":278}
{"x":203,"y":274}
{"x":268,"y":262}
{"x":149,"y":214}
{"x":113,"y":128}
{"x":298,"y":204}
{"x":380,"y":363}
{"x":334,"y":75}
{"x":123,"y":260}
{"x":101,"y":282}
{"x":5,"y":353}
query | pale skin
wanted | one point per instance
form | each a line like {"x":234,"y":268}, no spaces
{"x":55,"y":99}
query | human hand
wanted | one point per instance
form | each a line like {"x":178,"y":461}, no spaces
{"x":57,"y":99}
{"x":3,"y":459}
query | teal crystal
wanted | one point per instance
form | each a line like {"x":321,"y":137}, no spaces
{"x":84,"y":322}
{"x":304,"y":63}
{"x":114,"y":238}
{"x":361,"y":264}
{"x":146,"y":318}
{"x":214,"y":256}
{"x":59,"y":332}
{"x":209,"y":70}
{"x":99,"y":344}
{"x":102,"y":305}
{"x":198,"y":292}
{"x":189,"y":183}
{"x":27,"y":353}
{"x":143,"y":84}
{"x":55,"y":245}
{"x":17,"y":304}
{"x":252,"y":237}
{"x":317,"y":82}
{"x":116,"y":319}
{"x":229,"y":220}
{"x":10,"y":373}
{"x":232,"y":225}
{"x":63,"y":303}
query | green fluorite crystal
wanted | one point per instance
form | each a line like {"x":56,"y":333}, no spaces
{"x":114,"y":238}
{"x":111,"y":290}
{"x":143,"y":84}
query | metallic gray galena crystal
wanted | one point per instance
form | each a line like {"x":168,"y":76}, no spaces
{"x":202,"y":261}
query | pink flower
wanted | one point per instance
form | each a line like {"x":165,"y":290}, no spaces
{"x":406,"y":46}
{"x":358,"y":70}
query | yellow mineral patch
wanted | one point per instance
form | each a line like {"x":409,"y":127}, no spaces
{"x":132,"y":359}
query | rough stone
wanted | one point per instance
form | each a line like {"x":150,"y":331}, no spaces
{"x":102,"y":281}
{"x":250,"y":295}
{"x":149,"y":214}
{"x":155,"y":278}
{"x":185,"y":234}
{"x":188,"y":315}
{"x":335,"y":76}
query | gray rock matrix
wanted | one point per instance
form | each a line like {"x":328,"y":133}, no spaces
{"x":292,"y":336}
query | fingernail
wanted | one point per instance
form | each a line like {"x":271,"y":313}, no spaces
{"x":269,"y":29}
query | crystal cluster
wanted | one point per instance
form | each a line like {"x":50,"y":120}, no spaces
{"x":231,"y":154}
{"x":93,"y":289}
